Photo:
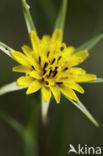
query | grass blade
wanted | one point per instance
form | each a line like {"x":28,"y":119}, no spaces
{"x":27,"y":16}
{"x":83,"y":109}
{"x":89,"y":44}
{"x":6,"y":49}
{"x":11,"y":122}
{"x":61,"y":17}
{"x":10,"y":88}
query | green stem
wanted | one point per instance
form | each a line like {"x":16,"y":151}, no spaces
{"x":29,"y":135}
{"x":29,"y":144}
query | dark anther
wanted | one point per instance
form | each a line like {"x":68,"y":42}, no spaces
{"x":45,"y":65}
{"x":39,"y":60}
{"x":65,"y":69}
{"x":6,"y":48}
{"x":42,"y":79}
{"x":59,"y":83}
{"x":55,"y":72}
{"x":48,"y":53}
{"x":33,"y":68}
{"x":44,"y":72}
{"x":47,"y":83}
{"x":56,"y":68}
{"x":62,"y":48}
{"x":59,"y":58}
{"x":53,"y":61}
{"x":50,"y":73}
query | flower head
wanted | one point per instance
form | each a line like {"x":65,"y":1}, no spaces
{"x":51,"y":66}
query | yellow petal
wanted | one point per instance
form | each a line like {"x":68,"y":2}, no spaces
{"x":22,"y":69}
{"x":33,"y":62}
{"x":75,"y":86}
{"x":27,"y":50}
{"x":69,"y":93}
{"x":57,"y":36}
{"x":35,"y":74}
{"x":20,"y":58}
{"x":76,"y":59}
{"x":77,"y":71}
{"x":45,"y":39}
{"x":82,"y":55}
{"x":80,"y":75}
{"x":46,"y":93}
{"x":56,"y":92}
{"x":24,"y":81}
{"x":35,"y":43}
{"x":85,"y":78}
{"x":68,"y":51}
{"x":34,"y":86}
{"x":79,"y":58}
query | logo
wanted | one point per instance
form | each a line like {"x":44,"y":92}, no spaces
{"x":85,"y":150}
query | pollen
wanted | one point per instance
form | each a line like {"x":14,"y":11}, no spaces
{"x":51,"y":66}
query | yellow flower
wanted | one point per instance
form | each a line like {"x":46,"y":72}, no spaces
{"x":51,"y":66}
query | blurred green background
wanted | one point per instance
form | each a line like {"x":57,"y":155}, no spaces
{"x":66,"y":123}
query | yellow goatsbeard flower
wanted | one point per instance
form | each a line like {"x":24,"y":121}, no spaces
{"x":50,"y":66}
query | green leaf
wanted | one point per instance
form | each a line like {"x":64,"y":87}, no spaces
{"x":27,"y":16}
{"x":12,"y":123}
{"x":83,"y":109}
{"x":45,"y":107}
{"x":89,"y":44}
{"x":61,"y":17}
{"x":6,"y":49}
{"x":10,"y":88}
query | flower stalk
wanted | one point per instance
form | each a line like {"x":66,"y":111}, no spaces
{"x":29,"y":144}
{"x":30,"y":133}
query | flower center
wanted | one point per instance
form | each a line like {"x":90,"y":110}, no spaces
{"x":52,"y":69}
